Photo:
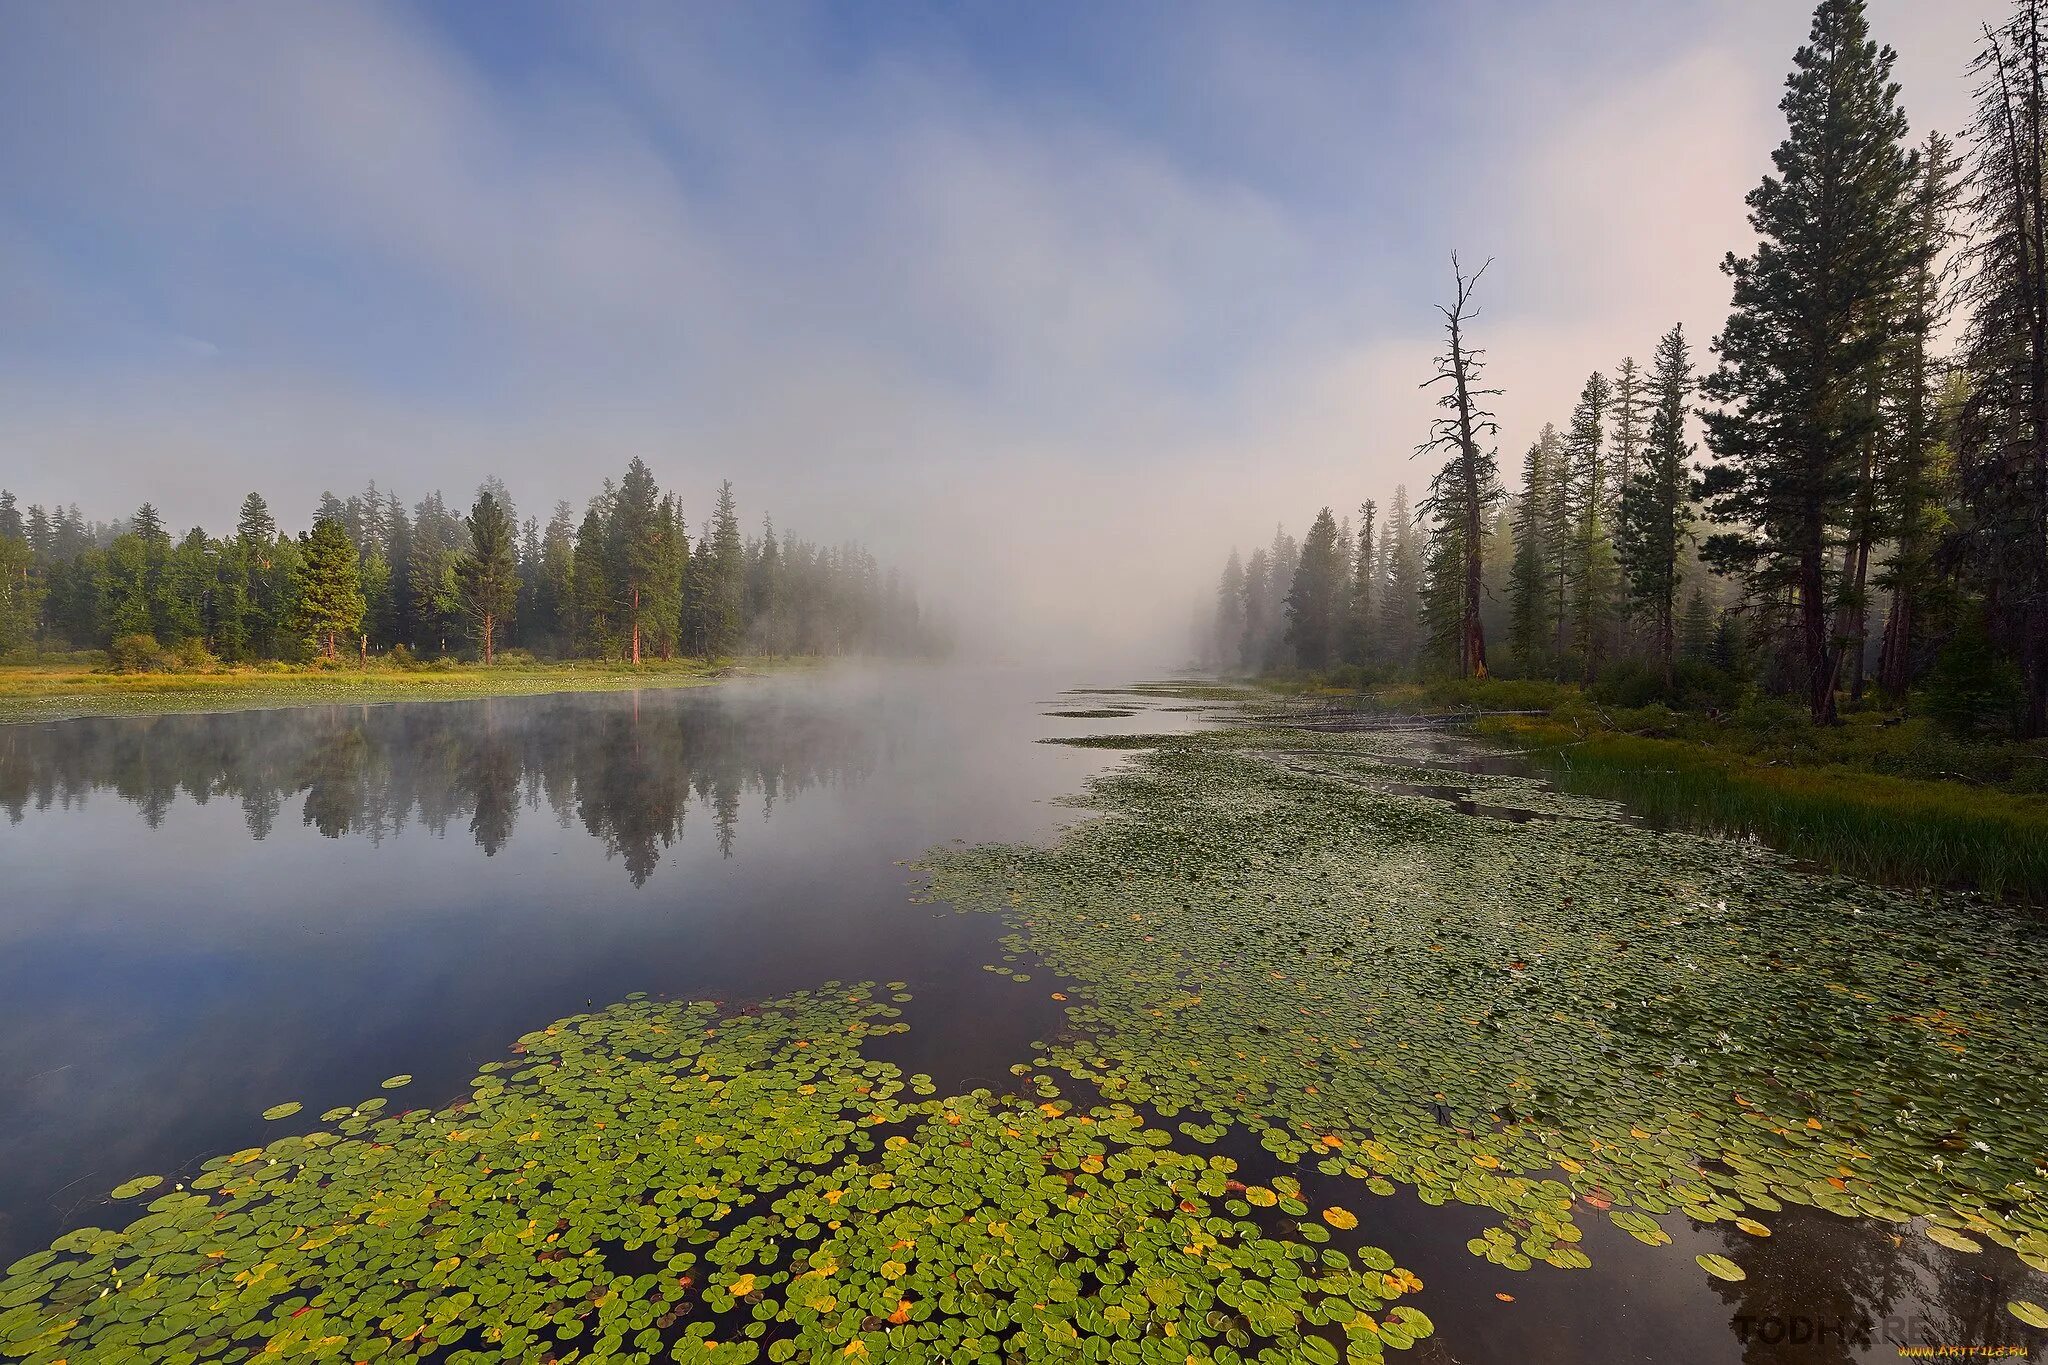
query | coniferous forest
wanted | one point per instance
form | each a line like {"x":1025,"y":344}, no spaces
{"x":624,"y":580}
{"x":1841,"y":498}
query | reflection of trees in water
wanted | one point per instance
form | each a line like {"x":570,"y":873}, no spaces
{"x":1833,"y":1291}
{"x":626,"y":768}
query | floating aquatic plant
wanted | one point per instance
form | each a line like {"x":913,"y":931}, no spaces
{"x":1283,"y":931}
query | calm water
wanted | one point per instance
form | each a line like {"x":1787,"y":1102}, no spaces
{"x":207,"y":915}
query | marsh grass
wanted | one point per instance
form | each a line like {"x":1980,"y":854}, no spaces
{"x":32,"y":692}
{"x":1917,"y":831}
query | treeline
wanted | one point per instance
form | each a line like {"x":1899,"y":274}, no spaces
{"x":622,"y":581}
{"x":1870,"y":511}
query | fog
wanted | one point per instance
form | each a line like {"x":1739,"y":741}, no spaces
{"x":1050,"y":305}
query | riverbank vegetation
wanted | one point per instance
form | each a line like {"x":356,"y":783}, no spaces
{"x":1901,"y":799}
{"x":1868,"y":519}
{"x":371,"y":579}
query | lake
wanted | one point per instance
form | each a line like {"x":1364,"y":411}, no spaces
{"x":209,"y":914}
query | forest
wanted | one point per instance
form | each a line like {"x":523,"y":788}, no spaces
{"x":1844,"y":501}
{"x":623,"y":581}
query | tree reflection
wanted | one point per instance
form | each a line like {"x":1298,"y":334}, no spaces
{"x":626,"y":767}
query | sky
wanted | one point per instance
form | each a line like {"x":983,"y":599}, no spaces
{"x":1051,"y":304}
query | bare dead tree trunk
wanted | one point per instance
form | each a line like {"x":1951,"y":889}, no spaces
{"x":1468,"y":469}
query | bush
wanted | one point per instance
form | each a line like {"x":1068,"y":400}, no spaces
{"x":192,"y":654}
{"x":401,"y":657}
{"x":1972,"y":689}
{"x":1629,"y":682}
{"x":136,"y":654}
{"x":521,"y":657}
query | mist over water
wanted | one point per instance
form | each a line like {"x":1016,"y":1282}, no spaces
{"x":210,"y":914}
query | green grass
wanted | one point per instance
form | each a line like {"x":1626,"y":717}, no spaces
{"x":1912,"y":830}
{"x":32,"y":692}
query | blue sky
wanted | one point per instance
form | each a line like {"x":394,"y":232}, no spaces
{"x":1051,"y":301}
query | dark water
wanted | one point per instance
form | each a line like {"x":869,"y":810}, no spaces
{"x":201,"y":916}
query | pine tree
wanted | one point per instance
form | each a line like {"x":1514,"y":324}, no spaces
{"x":1228,"y":631}
{"x":1590,"y":562}
{"x":2002,"y":448}
{"x":591,"y":578}
{"x":1258,"y":576}
{"x":725,"y":591}
{"x":1364,"y":573}
{"x":1696,"y":628}
{"x":330,"y":596}
{"x":1809,"y":329}
{"x":486,"y":574}
{"x":1529,"y":582}
{"x":1913,"y":492}
{"x":1401,"y":605}
{"x":1315,"y":596}
{"x":640,"y":551}
{"x":1657,"y":501}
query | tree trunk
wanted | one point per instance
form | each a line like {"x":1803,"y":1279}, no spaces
{"x":488,"y":624}
{"x":1815,"y":643}
{"x":636,"y":627}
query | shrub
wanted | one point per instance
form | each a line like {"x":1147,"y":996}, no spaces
{"x":136,"y":654}
{"x":522,"y":657}
{"x":401,"y":657}
{"x":1972,"y":689}
{"x":192,"y":654}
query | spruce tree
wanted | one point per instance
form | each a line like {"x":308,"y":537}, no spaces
{"x":1808,"y":330}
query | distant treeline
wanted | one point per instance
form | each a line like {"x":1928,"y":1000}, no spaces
{"x":621,"y":581}
{"x":1870,"y":510}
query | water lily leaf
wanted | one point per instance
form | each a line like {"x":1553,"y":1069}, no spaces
{"x":1721,"y":1268}
{"x":1953,"y":1240}
{"x":282,"y":1111}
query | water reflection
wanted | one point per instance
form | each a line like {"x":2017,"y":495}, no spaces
{"x":627,"y":769}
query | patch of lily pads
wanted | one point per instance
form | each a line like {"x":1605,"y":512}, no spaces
{"x":669,"y":1181}
{"x":1554,"y":1020}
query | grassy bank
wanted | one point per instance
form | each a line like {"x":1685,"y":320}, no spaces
{"x":1881,"y":795}
{"x":1937,"y":832}
{"x":30,"y":692}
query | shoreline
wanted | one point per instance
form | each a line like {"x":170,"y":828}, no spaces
{"x":35,"y":693}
